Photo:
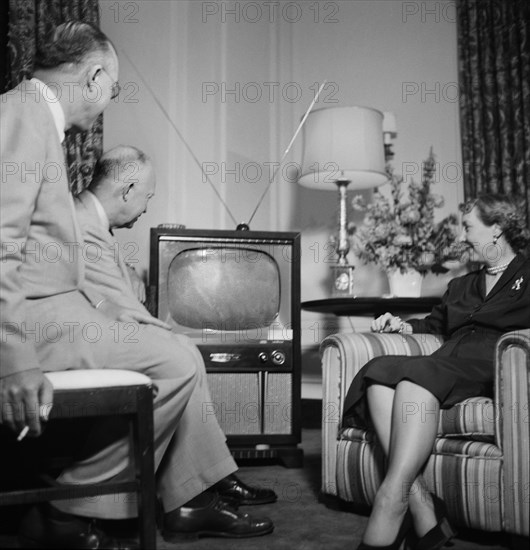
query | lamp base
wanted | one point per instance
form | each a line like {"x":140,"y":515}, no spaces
{"x":342,"y":285}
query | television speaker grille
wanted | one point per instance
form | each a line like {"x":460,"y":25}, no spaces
{"x":255,"y":403}
{"x":237,"y":401}
{"x":278,"y":406}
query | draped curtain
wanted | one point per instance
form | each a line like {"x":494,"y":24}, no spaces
{"x":29,"y":23}
{"x":494,"y":74}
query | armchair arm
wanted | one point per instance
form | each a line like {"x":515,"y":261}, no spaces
{"x":343,"y":355}
{"x":512,"y":389}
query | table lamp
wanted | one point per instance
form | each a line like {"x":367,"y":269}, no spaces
{"x":389,"y":134}
{"x":343,"y":148}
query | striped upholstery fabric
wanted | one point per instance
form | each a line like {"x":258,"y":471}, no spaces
{"x":468,"y":476}
{"x":360,"y":467}
{"x":472,"y":418}
{"x":512,"y":392}
{"x":479,"y":464}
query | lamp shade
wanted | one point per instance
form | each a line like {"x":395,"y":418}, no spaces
{"x":389,"y":124}
{"x":343,"y":143}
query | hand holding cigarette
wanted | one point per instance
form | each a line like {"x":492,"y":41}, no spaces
{"x":27,"y":399}
{"x":43,"y":415}
{"x":23,"y":433}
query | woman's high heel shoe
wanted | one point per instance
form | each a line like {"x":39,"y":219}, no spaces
{"x":441,"y":533}
{"x":406,"y":526}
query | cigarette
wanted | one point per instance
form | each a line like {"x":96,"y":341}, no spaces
{"x":23,"y":433}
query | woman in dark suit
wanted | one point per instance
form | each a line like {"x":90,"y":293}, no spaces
{"x":475,"y":311}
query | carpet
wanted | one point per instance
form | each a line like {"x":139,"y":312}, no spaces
{"x":302,"y":521}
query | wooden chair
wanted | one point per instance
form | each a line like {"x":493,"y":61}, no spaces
{"x":81,"y":394}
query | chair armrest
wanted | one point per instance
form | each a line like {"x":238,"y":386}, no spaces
{"x":344,"y":354}
{"x":512,"y":375}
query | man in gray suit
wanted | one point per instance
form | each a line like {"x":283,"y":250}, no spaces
{"x":121,"y":188}
{"x":75,"y":78}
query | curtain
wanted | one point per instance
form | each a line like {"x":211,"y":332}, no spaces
{"x":4,"y":58}
{"x":494,"y":75}
{"x":29,"y":22}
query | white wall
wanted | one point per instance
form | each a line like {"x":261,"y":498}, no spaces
{"x":182,"y":54}
{"x":388,"y":54}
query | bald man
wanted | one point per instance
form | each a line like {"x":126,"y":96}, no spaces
{"x":123,"y":184}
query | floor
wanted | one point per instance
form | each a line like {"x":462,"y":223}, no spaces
{"x":302,"y":521}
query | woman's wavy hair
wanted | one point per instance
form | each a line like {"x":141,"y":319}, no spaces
{"x":504,"y":211}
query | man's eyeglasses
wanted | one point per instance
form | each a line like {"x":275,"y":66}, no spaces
{"x":115,"y":88}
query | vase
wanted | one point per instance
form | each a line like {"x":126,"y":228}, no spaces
{"x":405,"y":285}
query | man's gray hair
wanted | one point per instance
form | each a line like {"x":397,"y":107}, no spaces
{"x":71,"y":42}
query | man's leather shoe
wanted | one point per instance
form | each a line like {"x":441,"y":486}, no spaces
{"x":232,"y":490}
{"x":46,"y":527}
{"x":216,"y":519}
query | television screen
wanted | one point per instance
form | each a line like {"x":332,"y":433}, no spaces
{"x":224,"y":285}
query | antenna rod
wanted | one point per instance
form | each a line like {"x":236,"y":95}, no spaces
{"x":161,"y":107}
{"x":304,"y":119}
{"x":273,"y":177}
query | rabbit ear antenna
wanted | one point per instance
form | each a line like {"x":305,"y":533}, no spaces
{"x":174,"y":126}
{"x":286,"y":152}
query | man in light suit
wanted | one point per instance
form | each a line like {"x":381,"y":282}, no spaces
{"x":122,"y":185}
{"x":43,"y":284}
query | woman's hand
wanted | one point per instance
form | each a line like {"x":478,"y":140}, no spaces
{"x":388,"y":323}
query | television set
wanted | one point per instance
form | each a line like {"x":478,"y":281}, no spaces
{"x":236,"y":294}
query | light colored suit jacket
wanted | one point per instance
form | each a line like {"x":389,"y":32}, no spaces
{"x":39,"y":235}
{"x":105,"y":269}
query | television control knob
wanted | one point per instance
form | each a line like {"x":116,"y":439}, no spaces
{"x":263,"y":357}
{"x":278,"y":357}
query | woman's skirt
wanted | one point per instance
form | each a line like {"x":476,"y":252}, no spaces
{"x":450,"y":379}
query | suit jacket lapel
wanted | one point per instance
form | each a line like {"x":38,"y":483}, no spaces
{"x":120,"y":261}
{"x":77,"y":230}
{"x":107,"y":237}
{"x":507,"y":276}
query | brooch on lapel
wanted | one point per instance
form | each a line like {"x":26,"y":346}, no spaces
{"x":517,"y":284}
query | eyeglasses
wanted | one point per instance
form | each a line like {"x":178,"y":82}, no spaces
{"x":115,"y":88}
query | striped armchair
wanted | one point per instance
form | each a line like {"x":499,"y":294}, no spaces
{"x":479,"y":463}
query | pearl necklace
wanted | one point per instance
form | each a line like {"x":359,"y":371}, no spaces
{"x":495,"y":269}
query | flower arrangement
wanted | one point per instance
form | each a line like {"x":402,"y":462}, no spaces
{"x":400,"y":233}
